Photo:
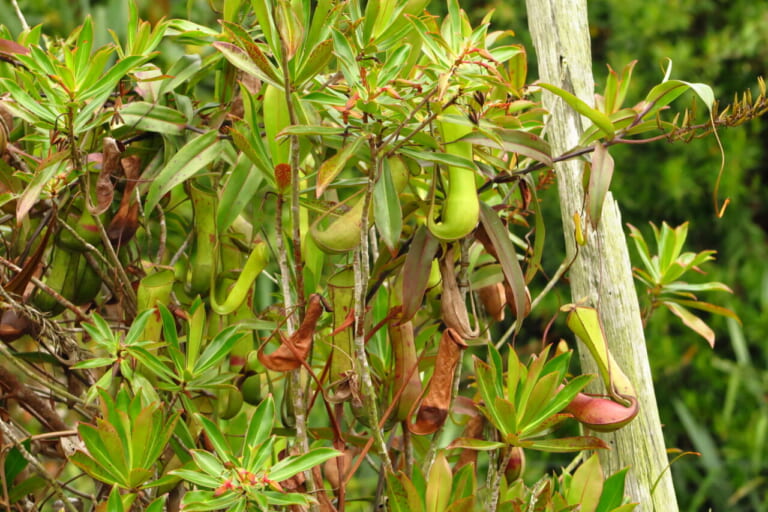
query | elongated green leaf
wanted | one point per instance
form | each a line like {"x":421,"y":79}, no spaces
{"x":440,"y":158}
{"x":386,"y":209}
{"x":239,"y":189}
{"x":257,"y":456}
{"x":144,"y":429}
{"x":415,"y":495}
{"x":507,"y":413}
{"x":254,"y":149}
{"x":137,"y":476}
{"x":106,"y":448}
{"x":157,"y":505}
{"x":586,"y":485}
{"x":217,"y":349}
{"x":207,"y":501}
{"x":542,"y":393}
{"x":253,"y":61}
{"x":286,"y":500}
{"x":290,"y":466}
{"x":264,"y":15}
{"x":316,"y":61}
{"x":624,"y":82}
{"x":188,"y":161}
{"x":613,"y":491}
{"x":197,"y":478}
{"x":529,"y":381}
{"x":667,"y":92}
{"x":114,"y":503}
{"x":153,"y":363}
{"x":629,"y":507}
{"x":569,"y":444}
{"x":515,"y":371}
{"x":25,"y":487}
{"x":600,"y":119}
{"x":710,"y":308}
{"x":325,"y":11}
{"x":585,"y":323}
{"x":439,"y":485}
{"x":93,"y":468}
{"x":516,"y":141}
{"x":609,"y":93}
{"x":485,"y":384}
{"x":82,"y":49}
{"x":392,"y":67}
{"x":253,"y":51}
{"x":261,"y":423}
{"x":85,"y":119}
{"x":644,"y":252}
{"x":398,"y":496}
{"x":670,"y":243}
{"x":499,"y":236}
{"x":683,"y":287}
{"x":333,"y":166}
{"x":162,"y":431}
{"x":347,"y":57}
{"x":181,"y":71}
{"x":555,"y":404}
{"x":470,"y":443}
{"x":153,"y":118}
{"x":432,"y":49}
{"x":47,"y":169}
{"x":137,"y":328}
{"x":110,"y":79}
{"x":220,"y":444}
{"x":309,"y":129}
{"x":692,"y":321}
{"x":208,"y":463}
{"x":599,"y":182}
{"x":96,"y":362}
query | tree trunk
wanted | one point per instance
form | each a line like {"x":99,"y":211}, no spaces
{"x":602,"y":274}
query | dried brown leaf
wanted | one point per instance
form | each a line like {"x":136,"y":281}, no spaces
{"x":110,"y":163}
{"x":452,"y":305}
{"x":494,"y":298}
{"x":126,"y":221}
{"x":294,"y":350}
{"x":433,"y":409}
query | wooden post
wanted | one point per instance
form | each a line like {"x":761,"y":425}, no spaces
{"x":602,"y":274}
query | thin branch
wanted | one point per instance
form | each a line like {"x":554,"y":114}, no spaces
{"x":47,"y":289}
{"x":48,"y":330}
{"x":49,"y":384}
{"x":361,"y":269}
{"x":431,"y":117}
{"x":299,"y":405}
{"x":30,"y":402}
{"x":20,"y":15}
{"x":496,"y":483}
{"x":393,"y":136}
{"x":38,"y":467}
{"x":561,"y":270}
{"x":128,"y":294}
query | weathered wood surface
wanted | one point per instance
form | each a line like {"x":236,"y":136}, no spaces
{"x":602,"y":274}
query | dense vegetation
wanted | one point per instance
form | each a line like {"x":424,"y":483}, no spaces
{"x":172,"y":182}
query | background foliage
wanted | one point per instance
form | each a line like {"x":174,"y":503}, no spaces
{"x":712,"y":402}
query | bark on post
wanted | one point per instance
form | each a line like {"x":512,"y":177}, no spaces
{"x":602,"y":274}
